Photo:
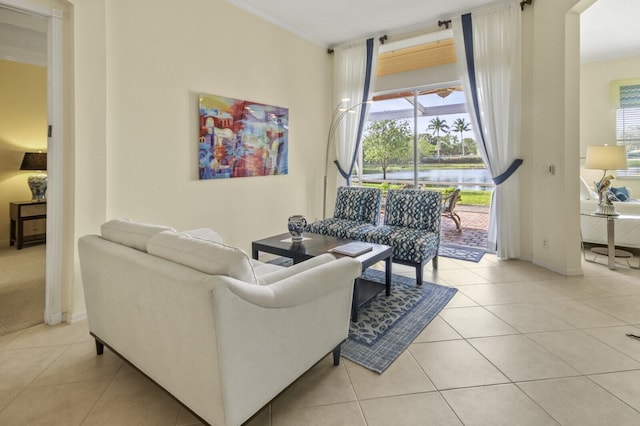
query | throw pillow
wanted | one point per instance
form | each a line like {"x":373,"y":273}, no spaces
{"x":129,"y":233}
{"x":205,"y":256}
{"x":622,"y":193}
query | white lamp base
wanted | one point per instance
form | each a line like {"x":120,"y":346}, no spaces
{"x":606,"y":210}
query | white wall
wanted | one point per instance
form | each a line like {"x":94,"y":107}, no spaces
{"x":139,"y":67}
{"x":551,"y":203}
{"x":158,"y":60}
{"x":598,"y":113}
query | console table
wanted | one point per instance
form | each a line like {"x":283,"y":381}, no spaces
{"x":28,"y":222}
{"x":610,"y":251}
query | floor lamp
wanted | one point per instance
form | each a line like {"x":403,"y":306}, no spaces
{"x":606,"y":157}
{"x":341,"y":110}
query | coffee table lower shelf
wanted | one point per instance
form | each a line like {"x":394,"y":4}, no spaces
{"x":363,"y":289}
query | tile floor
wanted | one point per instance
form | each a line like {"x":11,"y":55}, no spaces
{"x":518,"y":345}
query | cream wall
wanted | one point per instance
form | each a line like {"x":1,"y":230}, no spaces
{"x":550,"y":204}
{"x":158,"y":60}
{"x":139,"y":67}
{"x":23,"y":127}
{"x":598,"y":113}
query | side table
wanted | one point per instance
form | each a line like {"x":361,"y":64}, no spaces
{"x":35,"y":214}
{"x":610,"y":251}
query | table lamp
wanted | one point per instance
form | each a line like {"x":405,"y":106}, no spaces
{"x":606,"y":157}
{"x":37,"y":182}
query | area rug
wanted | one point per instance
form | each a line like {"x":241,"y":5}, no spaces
{"x":471,"y":254}
{"x":387,"y":325}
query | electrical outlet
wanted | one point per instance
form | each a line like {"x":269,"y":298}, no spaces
{"x":545,"y":243}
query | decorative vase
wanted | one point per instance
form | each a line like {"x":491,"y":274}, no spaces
{"x":296,"y":226}
{"x":38,"y":186}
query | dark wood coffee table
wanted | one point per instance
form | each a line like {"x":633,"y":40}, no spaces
{"x":315,"y":245}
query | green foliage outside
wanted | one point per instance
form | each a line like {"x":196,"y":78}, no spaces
{"x":387,"y":141}
{"x":388,"y":147}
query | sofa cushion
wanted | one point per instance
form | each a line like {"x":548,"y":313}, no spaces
{"x":131,"y":234}
{"x":359,"y":204}
{"x":585,"y":191}
{"x":411,"y":245}
{"x":413,"y":208}
{"x":205,"y":256}
{"x":205,"y":234}
{"x":340,"y":228}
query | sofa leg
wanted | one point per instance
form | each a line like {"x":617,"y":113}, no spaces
{"x":99,"y":347}
{"x":434,"y":262}
{"x":336,"y":354}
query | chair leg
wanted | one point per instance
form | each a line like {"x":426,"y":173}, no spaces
{"x":99,"y":347}
{"x":457,"y":220}
{"x":336,"y":354}
{"x":419,"y":269}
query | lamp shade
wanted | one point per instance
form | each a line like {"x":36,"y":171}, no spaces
{"x":34,"y":161}
{"x":606,"y":157}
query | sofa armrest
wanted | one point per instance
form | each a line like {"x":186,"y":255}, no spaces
{"x":302,"y":287}
{"x":283,"y":273}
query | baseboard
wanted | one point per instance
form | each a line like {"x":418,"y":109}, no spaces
{"x":557,"y":269}
{"x":75,"y":317}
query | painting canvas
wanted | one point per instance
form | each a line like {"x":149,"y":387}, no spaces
{"x":242,"y":138}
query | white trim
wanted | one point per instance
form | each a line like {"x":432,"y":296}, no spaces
{"x":53,"y":286}
{"x":75,"y":317}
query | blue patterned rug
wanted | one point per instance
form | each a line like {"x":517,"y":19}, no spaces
{"x":387,"y":325}
{"x":471,"y":254}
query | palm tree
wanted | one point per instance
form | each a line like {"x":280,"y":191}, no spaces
{"x":460,"y":125}
{"x":438,"y":125}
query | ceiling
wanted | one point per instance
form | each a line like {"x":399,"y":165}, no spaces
{"x":608,"y":27}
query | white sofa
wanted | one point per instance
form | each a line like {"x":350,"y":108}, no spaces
{"x":220,"y":332}
{"x":594,"y":229}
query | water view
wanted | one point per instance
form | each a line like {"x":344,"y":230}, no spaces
{"x":466,"y":178}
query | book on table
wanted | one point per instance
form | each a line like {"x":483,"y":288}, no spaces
{"x":353,"y":249}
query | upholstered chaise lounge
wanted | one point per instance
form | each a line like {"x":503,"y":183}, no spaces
{"x":222,"y":333}
{"x":411,"y":222}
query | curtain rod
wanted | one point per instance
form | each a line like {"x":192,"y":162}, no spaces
{"x":523,"y":3}
{"x":381,"y":39}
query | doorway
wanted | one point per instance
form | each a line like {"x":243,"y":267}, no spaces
{"x":53,"y":271}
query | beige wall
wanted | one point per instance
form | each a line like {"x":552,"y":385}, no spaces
{"x":550,"y":204}
{"x":139,"y":67}
{"x":598,"y":113}
{"x":23,"y":127}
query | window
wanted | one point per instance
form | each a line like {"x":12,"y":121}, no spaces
{"x":420,"y":137}
{"x":628,"y":128}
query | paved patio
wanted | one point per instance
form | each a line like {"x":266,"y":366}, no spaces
{"x":475,"y":222}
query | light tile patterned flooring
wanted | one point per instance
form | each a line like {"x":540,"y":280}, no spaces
{"x":518,"y":345}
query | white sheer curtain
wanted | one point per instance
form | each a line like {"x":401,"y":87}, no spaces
{"x":490,"y":69}
{"x":354,"y":71}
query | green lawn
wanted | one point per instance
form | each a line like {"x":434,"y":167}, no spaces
{"x":467,"y":196}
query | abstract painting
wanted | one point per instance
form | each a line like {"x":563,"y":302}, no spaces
{"x":241,"y":138}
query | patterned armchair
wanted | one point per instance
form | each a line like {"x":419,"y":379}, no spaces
{"x":411,"y":223}
{"x":357,"y":209}
{"x":411,"y":227}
